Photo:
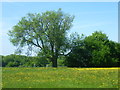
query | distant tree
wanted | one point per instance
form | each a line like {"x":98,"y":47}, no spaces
{"x":95,"y":44}
{"x":102,"y":50}
{"x":117,"y":47}
{"x":23,"y":61}
{"x":95,"y":50}
{"x":114,"y":52}
{"x":45,"y":31}
{"x":10,"y":61}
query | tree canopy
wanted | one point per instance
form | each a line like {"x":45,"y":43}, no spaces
{"x":95,"y":50}
{"x":45,"y":31}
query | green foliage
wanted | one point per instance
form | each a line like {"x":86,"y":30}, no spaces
{"x":95,"y":45}
{"x":46,"y":34}
{"x":45,"y":31}
{"x":95,"y":50}
{"x":23,"y":61}
{"x":61,"y":60}
{"x":78,"y":55}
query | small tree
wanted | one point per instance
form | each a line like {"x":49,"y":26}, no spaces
{"x":45,"y":31}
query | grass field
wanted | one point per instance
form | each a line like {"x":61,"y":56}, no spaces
{"x":59,"y":77}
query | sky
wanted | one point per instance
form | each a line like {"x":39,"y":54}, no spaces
{"x":89,"y":17}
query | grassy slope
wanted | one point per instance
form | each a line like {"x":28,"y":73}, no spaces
{"x":59,"y":78}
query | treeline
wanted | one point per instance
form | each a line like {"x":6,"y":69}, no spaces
{"x":28,"y":61}
{"x":95,"y":50}
{"x":23,"y":61}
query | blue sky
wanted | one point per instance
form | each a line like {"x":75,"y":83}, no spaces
{"x":89,"y":17}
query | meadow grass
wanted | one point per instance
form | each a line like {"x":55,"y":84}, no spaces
{"x":48,"y":77}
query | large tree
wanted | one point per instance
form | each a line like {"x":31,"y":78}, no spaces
{"x":46,"y":31}
{"x":95,"y":50}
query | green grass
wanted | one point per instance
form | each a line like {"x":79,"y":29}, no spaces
{"x":59,"y":78}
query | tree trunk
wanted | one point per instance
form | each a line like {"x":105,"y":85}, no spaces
{"x":54,"y":62}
